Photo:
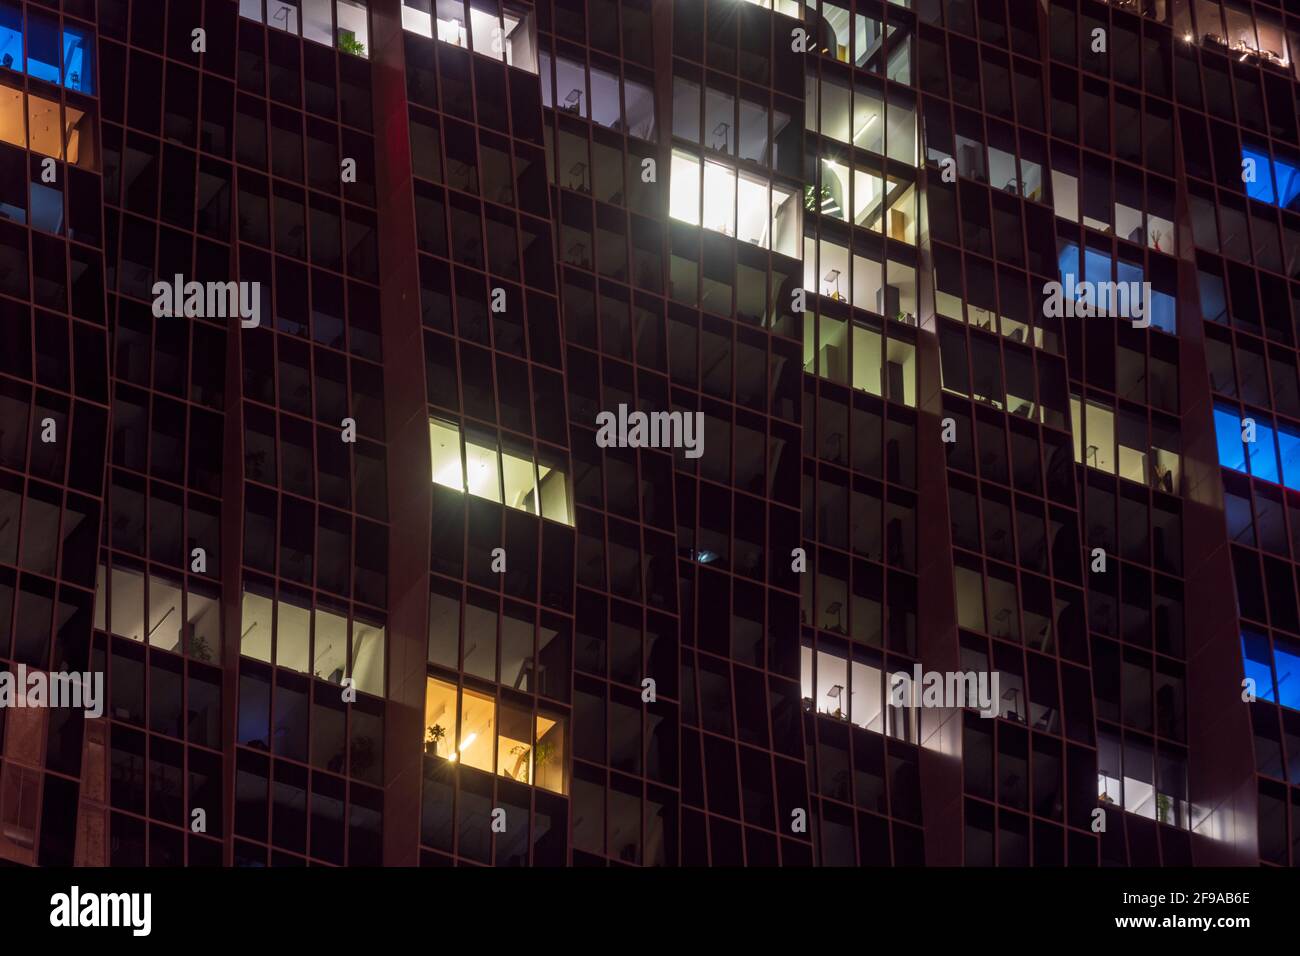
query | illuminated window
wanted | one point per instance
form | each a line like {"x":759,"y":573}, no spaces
{"x":292,"y":636}
{"x":256,"y":626}
{"x":482,"y":469}
{"x":719,"y":198}
{"x":868,"y":119}
{"x":553,"y":490}
{"x":834,"y":197}
{"x":451,"y":22}
{"x":43,"y":126}
{"x":164,"y":615}
{"x":866,"y":360}
{"x":331,"y":648}
{"x":902,"y":212}
{"x":520,"y":480}
{"x":444,"y":443}
{"x":367,"y":669}
{"x":868,"y":199}
{"x":515,"y":744}
{"x":203,"y":625}
{"x":752,"y":209}
{"x":11,"y":37}
{"x":507,"y":476}
{"x":787,"y":220}
{"x":684,"y":192}
{"x":353,"y":27}
{"x":477,"y":731}
{"x":318,"y":22}
{"x":439,"y":718}
{"x":417,"y":17}
{"x":282,"y":16}
{"x":485,"y":29}
{"x":550,"y":752}
{"x":78,"y":60}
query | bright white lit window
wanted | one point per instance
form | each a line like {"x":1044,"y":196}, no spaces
{"x":282,"y":16}
{"x":720,"y":198}
{"x":483,"y":471}
{"x":444,"y":443}
{"x":417,"y":16}
{"x":752,"y":210}
{"x":353,"y":27}
{"x":368,"y":658}
{"x":509,"y":476}
{"x":684,"y":191}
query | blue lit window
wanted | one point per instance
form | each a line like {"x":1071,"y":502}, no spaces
{"x":1227,"y":427}
{"x":71,"y":62}
{"x":11,"y":38}
{"x":1262,"y":187}
{"x":1288,"y":183}
{"x":1068,"y":260}
{"x":1288,"y":443}
{"x":1258,"y":663}
{"x":78,"y":60}
{"x":1163,"y":313}
{"x":1263,"y":453}
{"x":1286,"y":664}
{"x":1286,"y":175}
{"x":42,"y":48}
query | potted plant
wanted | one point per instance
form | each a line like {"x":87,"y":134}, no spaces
{"x":199,"y":649}
{"x":349,"y":43}
{"x":1162,"y":807}
{"x":432,"y":737}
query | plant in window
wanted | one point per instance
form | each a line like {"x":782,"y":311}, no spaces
{"x":349,"y":43}
{"x":816,"y":200}
{"x":521,"y":765}
{"x":199,"y":648}
{"x":542,"y":753}
{"x":432,"y":738}
{"x":1162,"y":807}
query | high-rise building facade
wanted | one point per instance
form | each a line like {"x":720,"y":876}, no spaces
{"x":657,"y":432}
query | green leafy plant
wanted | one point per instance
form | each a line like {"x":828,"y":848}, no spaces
{"x":543,"y":752}
{"x":349,"y":43}
{"x":199,"y":648}
{"x":1163,"y":804}
{"x":814,"y":199}
{"x":432,"y":737}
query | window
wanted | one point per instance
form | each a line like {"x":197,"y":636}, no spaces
{"x":353,"y":27}
{"x":31,"y":121}
{"x":722,"y":184}
{"x":310,"y":640}
{"x":1227,"y":427}
{"x":506,"y":739}
{"x":509,"y":476}
{"x":11,"y":37}
{"x":417,"y":17}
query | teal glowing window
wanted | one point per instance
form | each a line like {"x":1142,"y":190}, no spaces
{"x":1258,"y":662}
{"x":1276,"y":671}
{"x":45,"y":53}
{"x":78,"y":60}
{"x":1261,"y":186}
{"x":11,"y":38}
{"x":42,"y":48}
{"x":1275,"y":181}
{"x":1227,"y":429}
{"x":1159,"y":310}
{"x":1286,"y":669}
